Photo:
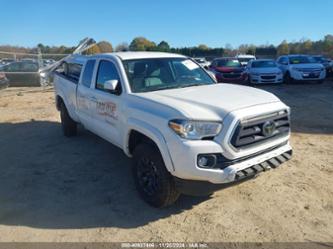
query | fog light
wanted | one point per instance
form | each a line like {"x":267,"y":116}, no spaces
{"x":206,"y":161}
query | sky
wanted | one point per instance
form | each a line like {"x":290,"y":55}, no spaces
{"x":179,"y":22}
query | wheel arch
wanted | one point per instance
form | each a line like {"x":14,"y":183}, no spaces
{"x":59,"y":100}
{"x":140,"y":131}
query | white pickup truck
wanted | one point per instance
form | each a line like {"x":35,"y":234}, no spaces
{"x":186,"y":133}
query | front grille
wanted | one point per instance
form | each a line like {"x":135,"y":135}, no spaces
{"x":311,"y":76}
{"x":309,"y":70}
{"x":231,"y":75}
{"x":268,"y":77}
{"x":261,"y":129}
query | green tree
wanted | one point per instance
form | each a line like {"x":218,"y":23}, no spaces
{"x":122,"y":47}
{"x":142,"y":44}
{"x":93,"y":50}
{"x":283,"y":48}
{"x":306,"y":46}
{"x":105,"y":47}
{"x":163,"y":46}
{"x":203,"y":47}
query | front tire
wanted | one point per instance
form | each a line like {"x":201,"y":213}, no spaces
{"x":287,"y":78}
{"x":154,"y":183}
{"x":69,"y":126}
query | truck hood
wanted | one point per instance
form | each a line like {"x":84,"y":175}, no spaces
{"x":210,"y":102}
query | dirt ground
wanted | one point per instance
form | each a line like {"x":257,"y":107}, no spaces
{"x":54,"y":188}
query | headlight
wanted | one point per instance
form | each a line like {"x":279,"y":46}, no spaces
{"x":195,"y":130}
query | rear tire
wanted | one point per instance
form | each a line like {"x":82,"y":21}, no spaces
{"x":69,"y":126}
{"x":153,"y":181}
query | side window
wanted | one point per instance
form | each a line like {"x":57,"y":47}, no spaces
{"x":74,"y":71}
{"x":287,"y":60}
{"x":107,"y":71}
{"x":29,"y":67}
{"x":61,"y":68}
{"x":283,"y":60}
{"x":88,"y":73}
{"x":14,"y":67}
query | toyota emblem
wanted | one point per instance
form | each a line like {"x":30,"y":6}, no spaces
{"x":268,"y":128}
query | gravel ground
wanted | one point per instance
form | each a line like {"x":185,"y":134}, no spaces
{"x":80,"y":189}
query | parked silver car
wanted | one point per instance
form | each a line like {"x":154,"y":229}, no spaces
{"x":264,"y":71}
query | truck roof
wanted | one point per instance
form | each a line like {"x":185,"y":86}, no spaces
{"x":81,"y":59}
{"x":145,"y":55}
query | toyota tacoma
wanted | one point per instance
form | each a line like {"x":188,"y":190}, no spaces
{"x":185,"y":133}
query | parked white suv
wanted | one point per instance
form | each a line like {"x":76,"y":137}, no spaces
{"x":202,"y":62}
{"x":301,"y":68}
{"x":264,"y":71}
{"x":186,"y":133}
{"x":245,"y":58}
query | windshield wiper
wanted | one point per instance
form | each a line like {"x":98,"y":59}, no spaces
{"x":196,"y":84}
{"x":163,"y":88}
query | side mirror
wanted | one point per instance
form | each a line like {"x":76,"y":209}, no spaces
{"x":111,"y":85}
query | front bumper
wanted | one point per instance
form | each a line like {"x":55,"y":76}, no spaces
{"x":265,"y":79}
{"x":186,"y":167}
{"x":222,"y":78}
{"x":307,"y":76}
{"x":201,"y":188}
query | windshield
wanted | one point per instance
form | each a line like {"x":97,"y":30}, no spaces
{"x":145,"y":75}
{"x":228,"y":63}
{"x":299,"y":60}
{"x":319,"y":59}
{"x":260,"y":64}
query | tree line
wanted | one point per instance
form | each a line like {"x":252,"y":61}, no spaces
{"x":303,"y":46}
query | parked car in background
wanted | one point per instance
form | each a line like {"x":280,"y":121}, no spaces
{"x":301,"y":68}
{"x":324,"y":61}
{"x":28,"y":60}
{"x":202,"y":62}
{"x":331,"y":68}
{"x":47,"y":62}
{"x":228,"y":70}
{"x":22,"y":73}
{"x":245,"y":58}
{"x":264,"y":71}
{"x":6,"y":61}
{"x":4,"y":82}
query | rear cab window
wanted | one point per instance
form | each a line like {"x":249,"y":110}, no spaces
{"x":70,"y":71}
